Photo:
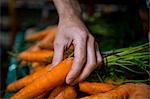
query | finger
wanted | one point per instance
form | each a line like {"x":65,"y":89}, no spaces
{"x":58,"y":53}
{"x":69,"y":44}
{"x":91,"y":60}
{"x":98,"y":55}
{"x":79,"y":60}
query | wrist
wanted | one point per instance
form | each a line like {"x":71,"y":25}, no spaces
{"x":69,"y":19}
{"x":69,"y":16}
{"x":67,"y":8}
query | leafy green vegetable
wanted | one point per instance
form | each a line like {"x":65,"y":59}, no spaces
{"x":126,"y":65}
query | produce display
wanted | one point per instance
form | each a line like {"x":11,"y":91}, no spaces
{"x":125,"y":73}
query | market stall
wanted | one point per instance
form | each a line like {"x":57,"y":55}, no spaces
{"x":120,"y":31}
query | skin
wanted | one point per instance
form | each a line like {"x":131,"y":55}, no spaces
{"x":71,"y":30}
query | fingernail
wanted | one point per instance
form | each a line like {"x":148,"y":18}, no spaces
{"x":69,"y":81}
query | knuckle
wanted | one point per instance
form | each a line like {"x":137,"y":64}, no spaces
{"x":74,"y":73}
{"x":83,"y":37}
{"x":99,"y":60}
{"x":82,"y":59}
{"x":91,"y":39}
{"x":93,"y":64}
{"x":57,"y":44}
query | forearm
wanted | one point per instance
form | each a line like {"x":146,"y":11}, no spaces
{"x":67,"y":8}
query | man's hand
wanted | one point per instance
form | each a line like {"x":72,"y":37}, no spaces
{"x":71,"y":30}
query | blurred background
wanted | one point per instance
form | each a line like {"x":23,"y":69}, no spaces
{"x":114,"y":24}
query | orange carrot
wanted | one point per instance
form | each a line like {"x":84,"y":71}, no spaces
{"x":140,"y":91}
{"x":23,"y":63}
{"x":41,"y":55}
{"x":43,"y":95}
{"x":109,"y":81}
{"x":41,"y":34}
{"x":36,"y":36}
{"x":32,"y":48}
{"x":36,"y":56}
{"x":129,"y":90}
{"x":37,"y":66}
{"x":56,"y":91}
{"x":94,"y":88}
{"x":120,"y":92}
{"x":15,"y":86}
{"x":67,"y":93}
{"x":47,"y":42}
{"x":46,"y":82}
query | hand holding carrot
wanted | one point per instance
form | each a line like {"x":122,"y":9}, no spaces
{"x":71,"y":30}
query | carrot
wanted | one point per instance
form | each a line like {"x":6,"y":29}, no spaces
{"x":32,"y":48}
{"x":15,"y":86}
{"x":94,"y":88}
{"x":120,"y":92}
{"x":47,"y":42}
{"x":46,"y":82}
{"x":41,"y":55}
{"x":109,"y":81}
{"x":23,"y":63}
{"x":140,"y":91}
{"x":37,"y":66}
{"x":129,"y":90}
{"x":43,"y":95}
{"x":56,"y":91}
{"x":36,"y":36}
{"x":36,"y":56}
{"x":40,"y":35}
{"x":67,"y":93}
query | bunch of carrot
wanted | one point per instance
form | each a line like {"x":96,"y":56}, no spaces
{"x":47,"y":82}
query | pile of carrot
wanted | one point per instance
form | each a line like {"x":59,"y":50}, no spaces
{"x":49,"y":83}
{"x":126,"y":91}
